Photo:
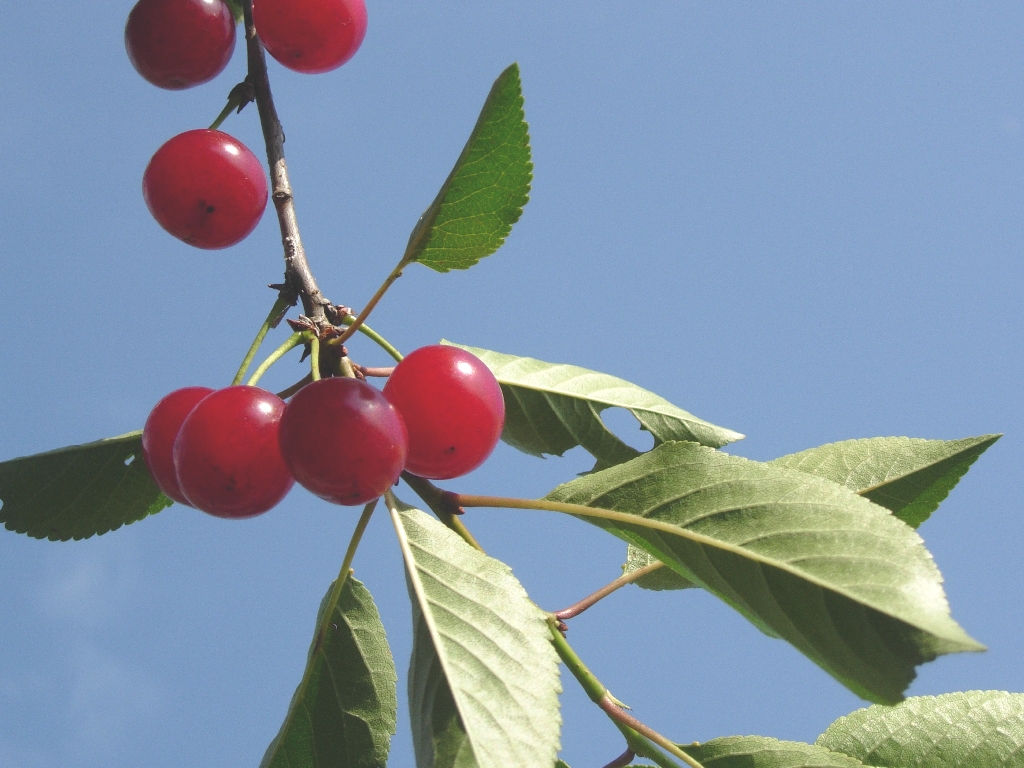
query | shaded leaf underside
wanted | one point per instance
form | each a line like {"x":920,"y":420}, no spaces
{"x":846,"y":583}
{"x":551,"y":408}
{"x":483,"y":682}
{"x":765,"y":752}
{"x":344,"y":712}
{"x":907,"y":476}
{"x":485,"y":193}
{"x":79,"y":491}
{"x":969,"y":729}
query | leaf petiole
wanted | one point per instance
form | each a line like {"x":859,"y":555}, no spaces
{"x":358,"y":321}
{"x":577,"y":608}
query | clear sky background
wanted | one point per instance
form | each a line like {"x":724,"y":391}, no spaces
{"x":802,"y":221}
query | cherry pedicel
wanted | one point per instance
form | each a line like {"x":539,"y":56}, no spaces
{"x":227,"y":457}
{"x":310,"y":36}
{"x":206,"y":188}
{"x":343,"y":440}
{"x":160,"y":432}
{"x":176,"y":44}
{"x":453,"y":409}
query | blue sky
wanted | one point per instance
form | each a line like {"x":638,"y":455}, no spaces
{"x":801,"y":221}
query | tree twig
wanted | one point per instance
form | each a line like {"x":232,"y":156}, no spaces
{"x":299,"y":283}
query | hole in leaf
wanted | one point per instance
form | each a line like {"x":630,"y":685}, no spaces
{"x":129,"y":460}
{"x":626,"y":427}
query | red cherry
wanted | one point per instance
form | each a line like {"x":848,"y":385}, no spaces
{"x":343,"y":440}
{"x":176,"y":44}
{"x":453,"y":409}
{"x":206,"y":188}
{"x":310,"y":36}
{"x":159,"y":433}
{"x":227,"y":457}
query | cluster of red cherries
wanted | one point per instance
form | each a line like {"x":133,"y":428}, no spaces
{"x":204,"y":186}
{"x":236,"y":452}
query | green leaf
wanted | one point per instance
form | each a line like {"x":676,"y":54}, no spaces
{"x":841,"y":579}
{"x":764,"y":752}
{"x":483,"y":682}
{"x":908,"y":476}
{"x":485,"y":193}
{"x":971,"y":729}
{"x":343,"y":713}
{"x":79,"y":491}
{"x":550,"y":408}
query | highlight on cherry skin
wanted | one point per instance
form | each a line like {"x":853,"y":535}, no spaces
{"x":206,"y":188}
{"x":159,"y":434}
{"x":310,"y":36}
{"x":226,"y":456}
{"x":343,"y":440}
{"x":177,"y":44}
{"x":453,"y":409}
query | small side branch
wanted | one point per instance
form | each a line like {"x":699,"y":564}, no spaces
{"x":299,"y":282}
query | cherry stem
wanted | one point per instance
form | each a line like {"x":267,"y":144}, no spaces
{"x":357,"y":323}
{"x":228,"y":109}
{"x":299,"y":282}
{"x":622,"y":760}
{"x":297,"y":338}
{"x":439,"y":502}
{"x":640,"y":738}
{"x":276,"y":313}
{"x":372,"y":334}
{"x":314,"y":357}
{"x":577,"y":608}
{"x":284,"y":394}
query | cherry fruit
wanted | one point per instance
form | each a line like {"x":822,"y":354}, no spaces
{"x":343,"y":440}
{"x":310,"y":36}
{"x":176,"y":44}
{"x":160,"y":432}
{"x":206,"y":188}
{"x":226,"y":455}
{"x":453,"y":409}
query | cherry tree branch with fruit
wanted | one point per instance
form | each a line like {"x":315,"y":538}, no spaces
{"x":810,"y":551}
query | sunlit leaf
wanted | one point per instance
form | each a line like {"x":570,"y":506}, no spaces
{"x":483,"y":682}
{"x":485,"y":193}
{"x":79,"y":491}
{"x":551,"y":407}
{"x":343,"y":713}
{"x":840,"y":578}
{"x":764,"y":752}
{"x":908,"y":476}
{"x":969,"y":729}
